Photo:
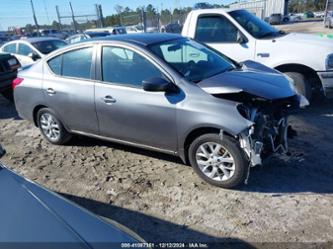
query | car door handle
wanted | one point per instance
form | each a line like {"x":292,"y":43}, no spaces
{"x":50,"y":91}
{"x":263,"y":55}
{"x":109,"y":100}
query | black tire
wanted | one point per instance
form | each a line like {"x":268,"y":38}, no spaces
{"x":330,"y":25}
{"x":63,"y":137}
{"x":240,"y":161}
{"x":302,"y":85}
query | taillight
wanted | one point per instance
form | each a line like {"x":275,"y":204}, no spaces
{"x":16,"y":82}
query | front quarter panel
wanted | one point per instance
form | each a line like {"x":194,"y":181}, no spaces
{"x":202,"y":110}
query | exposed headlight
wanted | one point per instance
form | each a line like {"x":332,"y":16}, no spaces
{"x":329,"y":62}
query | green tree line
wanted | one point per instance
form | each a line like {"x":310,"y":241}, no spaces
{"x":299,"y":6}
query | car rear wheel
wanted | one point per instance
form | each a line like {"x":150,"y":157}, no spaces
{"x":51,"y":127}
{"x":301,"y":84}
{"x":219,"y":162}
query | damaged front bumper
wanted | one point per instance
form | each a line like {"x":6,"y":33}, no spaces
{"x":270,"y":130}
{"x":275,"y":141}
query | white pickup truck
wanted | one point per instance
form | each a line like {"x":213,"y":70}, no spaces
{"x":307,"y":59}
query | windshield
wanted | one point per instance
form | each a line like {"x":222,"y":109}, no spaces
{"x":46,"y":47}
{"x":192,"y":60}
{"x":255,"y":26}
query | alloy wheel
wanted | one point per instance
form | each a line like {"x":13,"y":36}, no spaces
{"x":215,"y":161}
{"x":50,"y":126}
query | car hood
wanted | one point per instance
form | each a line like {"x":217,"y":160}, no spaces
{"x":253,"y":78}
{"x":321,"y":41}
{"x":32,"y":214}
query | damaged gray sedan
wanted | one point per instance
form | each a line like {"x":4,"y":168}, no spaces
{"x":162,"y":92}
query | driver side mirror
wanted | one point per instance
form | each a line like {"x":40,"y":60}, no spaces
{"x":241,"y":39}
{"x":34,"y":56}
{"x":158,"y":84}
{"x":2,"y":151}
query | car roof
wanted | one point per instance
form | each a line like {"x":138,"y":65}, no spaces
{"x":212,"y":11}
{"x":142,"y":39}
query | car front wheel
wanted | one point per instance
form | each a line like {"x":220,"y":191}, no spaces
{"x":220,"y":162}
{"x":51,"y":127}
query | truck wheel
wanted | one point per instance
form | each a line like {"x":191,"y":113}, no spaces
{"x":51,"y":127}
{"x":219,"y":162}
{"x":301,"y":84}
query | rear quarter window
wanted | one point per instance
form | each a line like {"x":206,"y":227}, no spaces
{"x":10,"y":48}
{"x":55,"y":65}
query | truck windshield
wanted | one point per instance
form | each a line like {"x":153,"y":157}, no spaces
{"x":255,"y":26}
{"x":192,"y":60}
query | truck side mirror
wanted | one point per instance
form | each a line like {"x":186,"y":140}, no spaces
{"x":2,"y":151}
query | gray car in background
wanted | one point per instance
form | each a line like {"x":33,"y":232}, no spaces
{"x":162,"y":92}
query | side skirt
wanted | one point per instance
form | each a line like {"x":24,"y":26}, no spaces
{"x":175,"y":153}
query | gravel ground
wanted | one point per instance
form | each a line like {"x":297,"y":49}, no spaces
{"x":288,"y":199}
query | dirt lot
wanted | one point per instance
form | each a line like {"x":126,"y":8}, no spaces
{"x":289,"y":199}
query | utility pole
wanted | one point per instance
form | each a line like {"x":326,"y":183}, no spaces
{"x":144,"y":20}
{"x":34,"y":16}
{"x":98,"y":22}
{"x":59,"y":19}
{"x":326,"y":10}
{"x":73,"y":17}
{"x":101,"y":15}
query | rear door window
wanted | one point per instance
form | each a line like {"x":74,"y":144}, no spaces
{"x":76,"y":64}
{"x":24,"y":49}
